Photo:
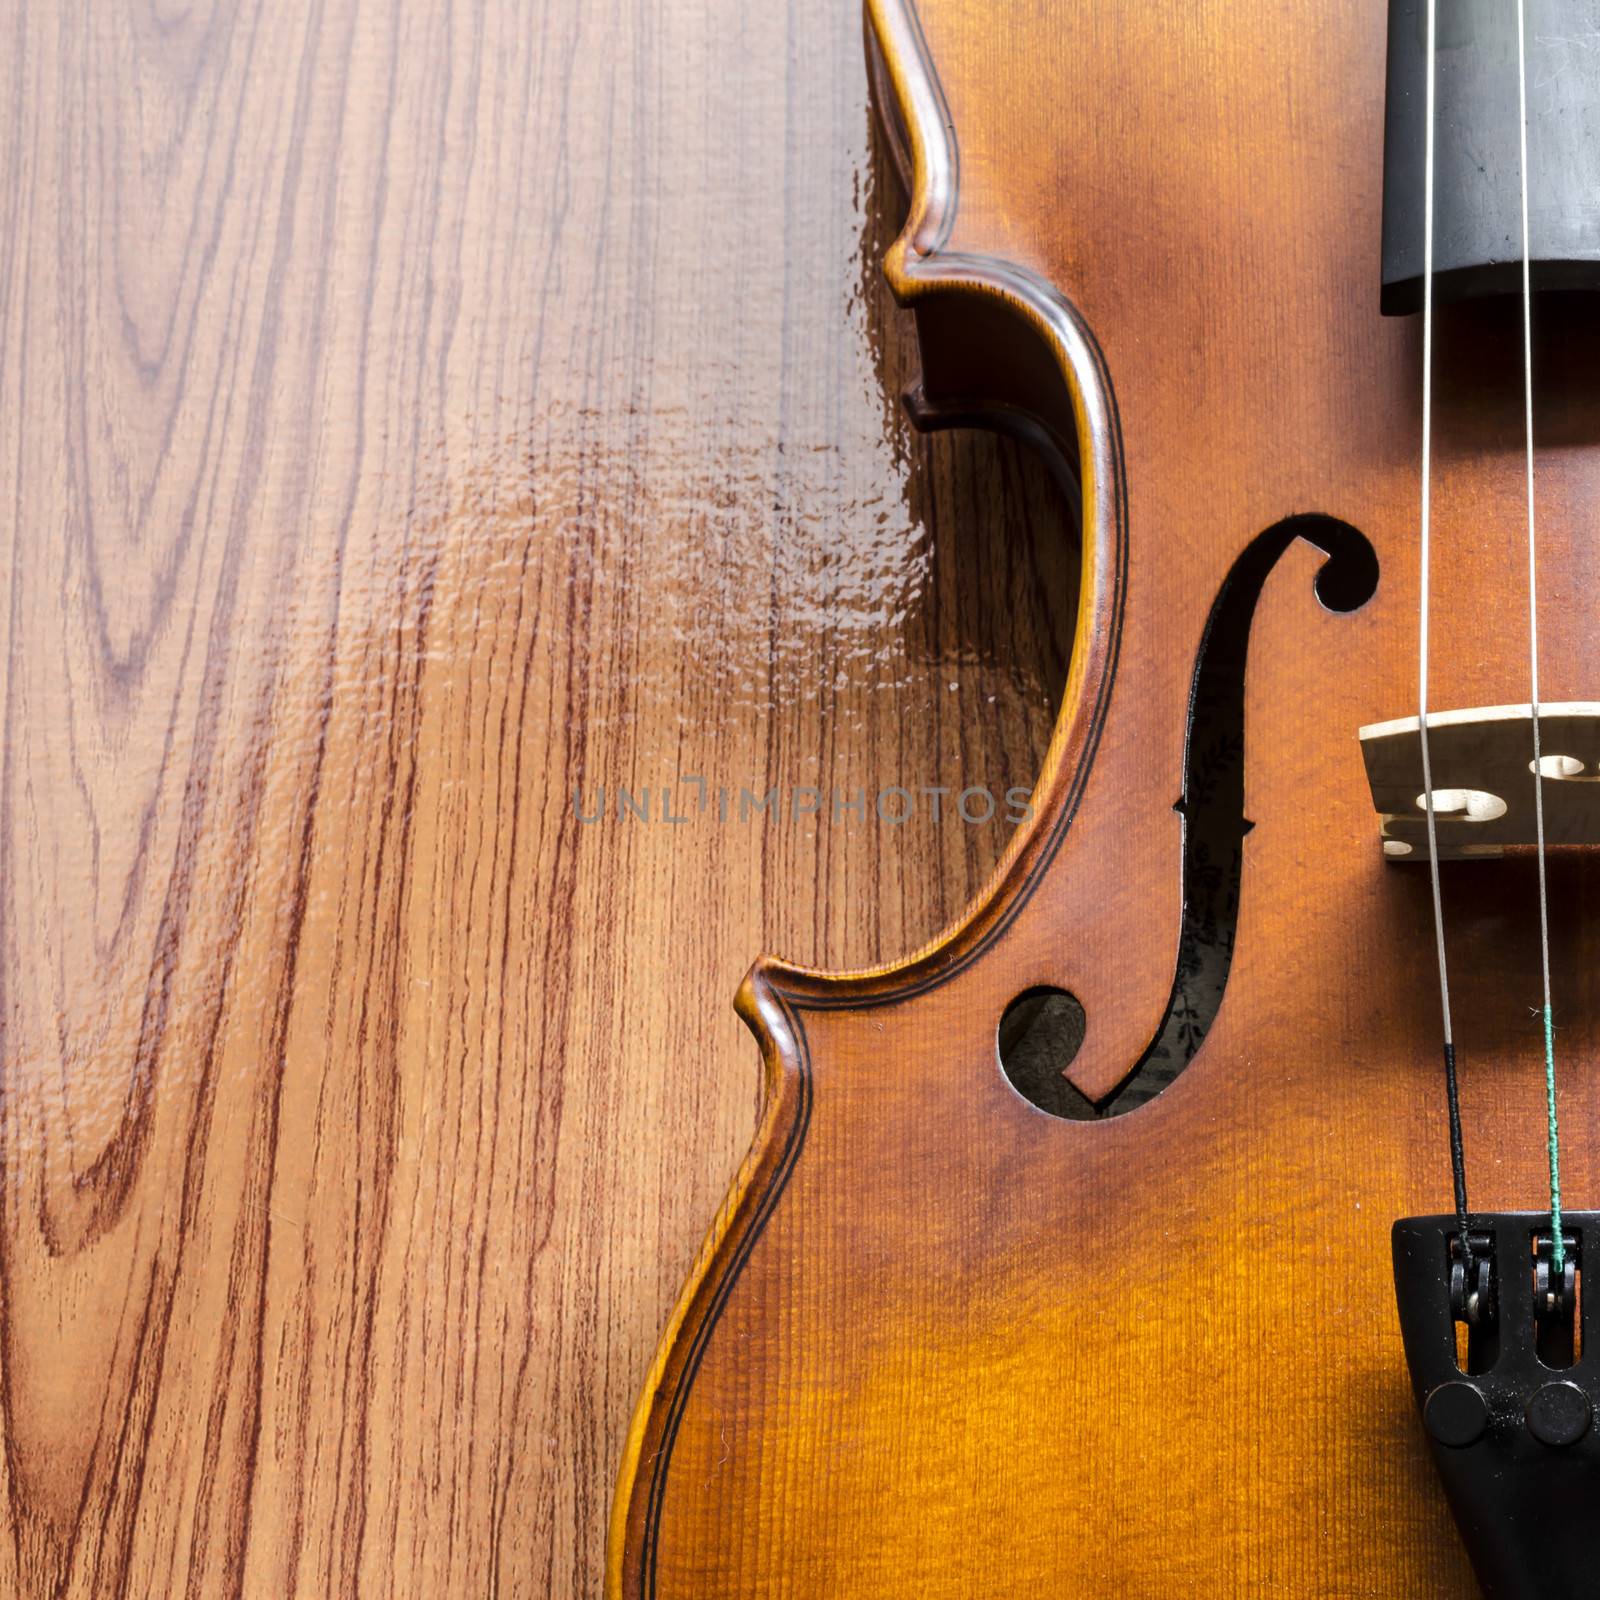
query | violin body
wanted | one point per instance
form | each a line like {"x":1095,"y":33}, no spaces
{"x":941,"y":1342}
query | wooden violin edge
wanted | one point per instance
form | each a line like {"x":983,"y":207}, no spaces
{"x":734,"y":1229}
{"x":1076,"y":424}
{"x":1075,"y":428}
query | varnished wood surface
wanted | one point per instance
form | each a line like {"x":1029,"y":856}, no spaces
{"x":410,"y":414}
{"x":942,"y":1343}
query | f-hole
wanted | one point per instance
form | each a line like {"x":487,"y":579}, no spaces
{"x":1038,"y":1036}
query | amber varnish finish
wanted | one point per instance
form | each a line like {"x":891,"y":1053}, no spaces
{"x":410,"y":414}
{"x":941,"y":1344}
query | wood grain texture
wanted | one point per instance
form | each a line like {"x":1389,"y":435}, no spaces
{"x":943,"y":1343}
{"x":409,"y":416}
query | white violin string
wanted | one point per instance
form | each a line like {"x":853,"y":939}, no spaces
{"x":1425,"y":599}
{"x":1452,"y":1096}
{"x":1553,"y":1140}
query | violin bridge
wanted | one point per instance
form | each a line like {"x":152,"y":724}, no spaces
{"x":1482,"y":764}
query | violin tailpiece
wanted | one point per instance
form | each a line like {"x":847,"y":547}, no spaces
{"x":1510,"y":1421}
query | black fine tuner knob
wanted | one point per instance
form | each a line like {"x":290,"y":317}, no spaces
{"x":1456,"y":1414}
{"x":1559,"y":1414}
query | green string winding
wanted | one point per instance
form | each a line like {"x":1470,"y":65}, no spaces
{"x":1553,"y":1142}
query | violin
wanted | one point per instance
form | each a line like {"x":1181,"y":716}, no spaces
{"x":1204,"y":1211}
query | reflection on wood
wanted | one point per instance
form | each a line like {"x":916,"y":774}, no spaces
{"x":413,"y":418}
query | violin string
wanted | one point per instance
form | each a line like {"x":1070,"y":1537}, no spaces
{"x":1458,"y":1162}
{"x":1552,"y":1130}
